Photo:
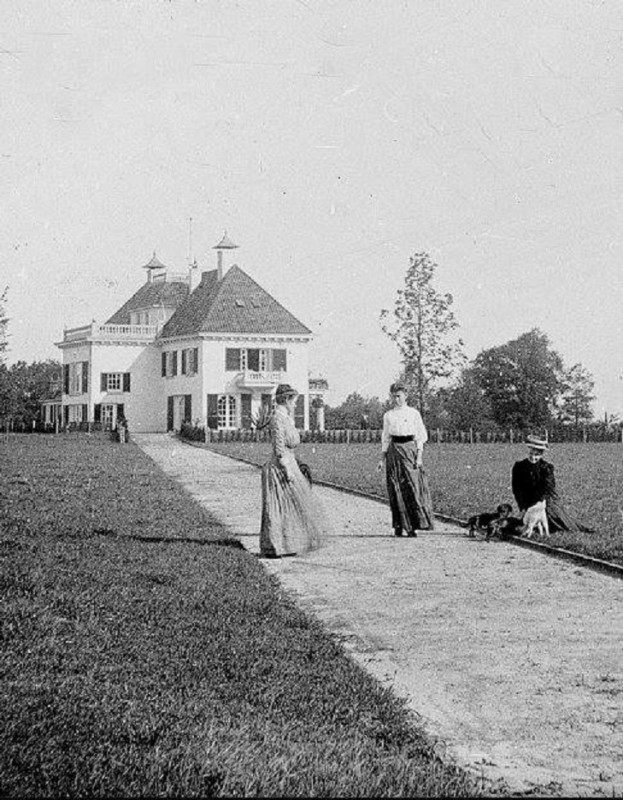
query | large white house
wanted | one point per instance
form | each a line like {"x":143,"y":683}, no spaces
{"x":205,"y":347}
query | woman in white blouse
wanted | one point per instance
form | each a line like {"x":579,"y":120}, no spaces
{"x":403,"y":441}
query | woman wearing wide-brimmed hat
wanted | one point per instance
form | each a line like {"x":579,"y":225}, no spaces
{"x":402,"y":442}
{"x":292,"y":519}
{"x":533,"y":480}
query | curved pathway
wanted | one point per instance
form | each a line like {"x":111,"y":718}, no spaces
{"x":512,"y":659}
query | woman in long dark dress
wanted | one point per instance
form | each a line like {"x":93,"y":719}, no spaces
{"x":533,"y":480}
{"x":293,"y":521}
{"x":403,"y":439}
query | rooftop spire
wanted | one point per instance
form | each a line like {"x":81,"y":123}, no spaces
{"x":225,"y":244}
{"x":153,"y":264}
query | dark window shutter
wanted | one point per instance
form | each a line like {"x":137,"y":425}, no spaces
{"x":184,"y":360}
{"x":169,"y":413}
{"x":245,"y":400}
{"x":232,"y":359}
{"x":85,"y":377}
{"x":188,"y":408}
{"x":66,"y":378}
{"x":85,"y":412}
{"x":253,"y":360}
{"x":126,"y":381}
{"x":174,"y":369}
{"x":299,"y":412}
{"x":163,"y":365}
{"x":267,"y":400}
{"x":97,"y":412}
{"x":195,"y":359}
{"x":66,"y":414}
{"x":120,"y":411}
{"x":213,"y":411}
{"x":279,"y":360}
{"x":103,"y":381}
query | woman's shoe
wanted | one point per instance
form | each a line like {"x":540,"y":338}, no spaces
{"x":412,"y":534}
{"x":397,"y":531}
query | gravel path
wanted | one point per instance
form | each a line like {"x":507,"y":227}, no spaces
{"x":512,"y":659}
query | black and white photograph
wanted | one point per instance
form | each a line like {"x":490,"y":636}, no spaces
{"x":311,"y":398}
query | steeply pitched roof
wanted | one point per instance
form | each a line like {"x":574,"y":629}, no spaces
{"x":169,"y":294}
{"x":235,"y":304}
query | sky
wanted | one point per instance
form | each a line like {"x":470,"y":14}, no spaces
{"x":332,"y":139}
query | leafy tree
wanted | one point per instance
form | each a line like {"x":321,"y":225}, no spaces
{"x":422,"y":324}
{"x":4,"y":321}
{"x":466,"y":404}
{"x":354,"y":413}
{"x":23,"y":387}
{"x":521,"y":380}
{"x":575,"y":402}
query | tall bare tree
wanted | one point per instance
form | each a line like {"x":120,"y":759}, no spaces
{"x":4,"y":321}
{"x":423,"y":325}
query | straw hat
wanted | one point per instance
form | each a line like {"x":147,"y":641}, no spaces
{"x":534,"y":443}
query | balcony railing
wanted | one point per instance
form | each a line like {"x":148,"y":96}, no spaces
{"x":96,"y":331}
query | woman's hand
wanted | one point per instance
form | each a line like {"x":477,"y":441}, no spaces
{"x":381,"y":465}
{"x":418,"y":459}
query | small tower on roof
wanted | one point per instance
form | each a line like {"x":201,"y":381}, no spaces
{"x":153,"y":264}
{"x":225,"y":244}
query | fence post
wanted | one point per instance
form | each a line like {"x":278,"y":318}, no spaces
{"x":510,"y":435}
{"x":348,"y":436}
{"x":471,"y":436}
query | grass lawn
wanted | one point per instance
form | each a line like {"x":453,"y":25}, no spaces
{"x":467,"y":479}
{"x":145,"y":654}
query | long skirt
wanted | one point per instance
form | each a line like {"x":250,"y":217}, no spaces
{"x":293,"y":520}
{"x":408,"y":490}
{"x":559,"y":519}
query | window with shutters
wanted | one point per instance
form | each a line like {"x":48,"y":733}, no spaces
{"x":75,"y":378}
{"x":107,"y":413}
{"x":279,"y":362}
{"x":190,"y":361}
{"x":226,"y":409}
{"x":114,"y":381}
{"x":169,"y":364}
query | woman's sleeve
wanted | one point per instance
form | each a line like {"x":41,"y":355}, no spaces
{"x":549,"y":482}
{"x":278,"y":436}
{"x":421,"y":434}
{"x":385,"y":433}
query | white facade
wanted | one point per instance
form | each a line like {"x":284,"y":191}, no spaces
{"x":219,"y":380}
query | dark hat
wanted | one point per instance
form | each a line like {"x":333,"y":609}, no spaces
{"x":535,"y":443}
{"x":397,"y":387}
{"x":285,"y":390}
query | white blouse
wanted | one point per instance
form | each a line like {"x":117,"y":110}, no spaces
{"x":405,"y":421}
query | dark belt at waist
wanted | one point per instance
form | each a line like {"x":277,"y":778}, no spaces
{"x":401,"y":439}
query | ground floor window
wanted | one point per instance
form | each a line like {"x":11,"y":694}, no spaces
{"x":107,"y":415}
{"x":227,"y":411}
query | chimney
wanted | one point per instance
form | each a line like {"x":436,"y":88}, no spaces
{"x":192,"y":272}
{"x":224,"y":244}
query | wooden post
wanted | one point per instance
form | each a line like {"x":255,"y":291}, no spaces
{"x":510,"y":435}
{"x":471,"y":436}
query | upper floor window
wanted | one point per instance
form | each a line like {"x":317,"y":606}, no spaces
{"x":255,"y":359}
{"x":115,"y":382}
{"x":169,"y":364}
{"x":190,"y":361}
{"x":76,"y":378}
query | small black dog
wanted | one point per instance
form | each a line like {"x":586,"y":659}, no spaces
{"x":492,"y":524}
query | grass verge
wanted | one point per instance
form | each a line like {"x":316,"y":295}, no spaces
{"x":143,"y":656}
{"x":469,"y":479}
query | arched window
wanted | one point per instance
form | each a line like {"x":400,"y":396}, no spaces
{"x":226,"y":411}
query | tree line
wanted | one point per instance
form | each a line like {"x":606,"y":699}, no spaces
{"x":522,"y":384}
{"x":23,"y":387}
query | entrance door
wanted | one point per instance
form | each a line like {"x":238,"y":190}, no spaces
{"x":178,"y":411}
